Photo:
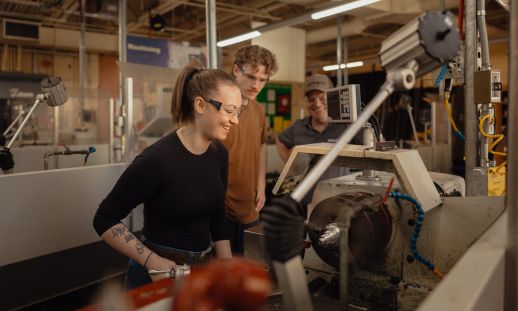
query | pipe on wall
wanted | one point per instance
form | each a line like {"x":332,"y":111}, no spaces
{"x":470,"y":130}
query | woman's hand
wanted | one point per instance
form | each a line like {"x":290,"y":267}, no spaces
{"x":156,"y":262}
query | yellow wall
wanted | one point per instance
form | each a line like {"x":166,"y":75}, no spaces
{"x":499,"y":58}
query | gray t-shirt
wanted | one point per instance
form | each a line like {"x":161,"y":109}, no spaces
{"x":301,"y":132}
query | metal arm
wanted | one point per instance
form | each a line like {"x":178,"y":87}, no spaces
{"x":18,"y":117}
{"x":39,"y":99}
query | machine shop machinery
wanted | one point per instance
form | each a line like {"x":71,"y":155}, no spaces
{"x":384,"y":272}
{"x":382,"y":240}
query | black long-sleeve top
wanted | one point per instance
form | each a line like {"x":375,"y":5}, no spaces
{"x":183,"y":195}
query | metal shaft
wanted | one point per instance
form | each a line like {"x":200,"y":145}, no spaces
{"x":345,"y":60}
{"x":82,"y":61}
{"x":111,"y":130}
{"x":339,"y":49}
{"x":434,"y":134}
{"x":292,"y":280}
{"x":55,"y":139}
{"x":414,"y":129}
{"x":18,"y":117}
{"x":122,"y":59}
{"x":128,"y":122}
{"x":484,"y":44}
{"x":368,"y":141}
{"x":19,"y":130}
{"x":210,"y":18}
{"x":127,"y":156}
{"x":482,"y":31}
{"x":484,"y":141}
{"x":309,"y":181}
{"x":470,"y":130}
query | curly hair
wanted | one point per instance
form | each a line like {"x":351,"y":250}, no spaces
{"x":255,"y":56}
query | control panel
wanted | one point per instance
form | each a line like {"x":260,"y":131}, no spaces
{"x":344,"y":103}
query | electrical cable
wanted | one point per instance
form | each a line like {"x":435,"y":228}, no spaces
{"x":456,"y":132}
{"x":441,"y":75}
{"x":387,"y":192}
{"x":417,"y":230}
{"x":375,"y":124}
{"x":376,"y":132}
{"x":499,"y":138}
{"x":439,"y":189}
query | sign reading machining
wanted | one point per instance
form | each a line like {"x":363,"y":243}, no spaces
{"x":163,"y":53}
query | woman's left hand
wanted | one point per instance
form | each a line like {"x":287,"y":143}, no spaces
{"x":160,"y":264}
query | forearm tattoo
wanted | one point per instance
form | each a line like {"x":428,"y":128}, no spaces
{"x":129,"y":237}
{"x":118,"y":231}
{"x":140,"y":247}
{"x":122,"y":232}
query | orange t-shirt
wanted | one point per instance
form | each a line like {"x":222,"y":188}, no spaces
{"x":244,"y":144}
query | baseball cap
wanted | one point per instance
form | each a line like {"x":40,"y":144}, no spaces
{"x":317,"y":82}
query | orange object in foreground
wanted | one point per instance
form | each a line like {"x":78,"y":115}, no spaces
{"x":228,"y":284}
{"x":142,"y":296}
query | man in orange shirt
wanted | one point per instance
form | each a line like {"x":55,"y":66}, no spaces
{"x":246,"y":144}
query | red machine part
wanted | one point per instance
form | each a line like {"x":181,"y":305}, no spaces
{"x":228,"y":284}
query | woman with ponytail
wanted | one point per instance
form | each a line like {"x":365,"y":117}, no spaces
{"x":181,"y":180}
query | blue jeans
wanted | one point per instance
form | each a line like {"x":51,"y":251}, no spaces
{"x":137,"y":275}
{"x":237,"y":235}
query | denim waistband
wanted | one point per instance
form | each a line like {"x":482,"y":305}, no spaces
{"x":166,"y":250}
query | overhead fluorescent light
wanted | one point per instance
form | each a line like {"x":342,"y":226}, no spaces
{"x":240,"y":38}
{"x":330,"y":67}
{"x":342,"y":66}
{"x":342,"y":8}
{"x":353,"y":64}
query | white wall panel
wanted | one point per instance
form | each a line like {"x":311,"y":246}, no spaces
{"x":50,"y":211}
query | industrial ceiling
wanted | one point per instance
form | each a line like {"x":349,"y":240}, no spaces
{"x":364,"y":28}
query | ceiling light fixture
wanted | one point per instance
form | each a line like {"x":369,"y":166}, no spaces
{"x":342,"y":8}
{"x":329,"y":11}
{"x":240,"y":38}
{"x":343,"y":66}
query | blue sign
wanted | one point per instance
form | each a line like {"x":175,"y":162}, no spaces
{"x":147,"y":51}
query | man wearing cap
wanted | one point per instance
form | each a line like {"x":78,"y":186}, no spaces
{"x":314,"y":128}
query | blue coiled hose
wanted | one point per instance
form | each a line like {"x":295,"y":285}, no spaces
{"x":417,"y":228}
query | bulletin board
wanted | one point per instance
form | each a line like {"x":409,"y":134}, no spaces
{"x":276,"y":100}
